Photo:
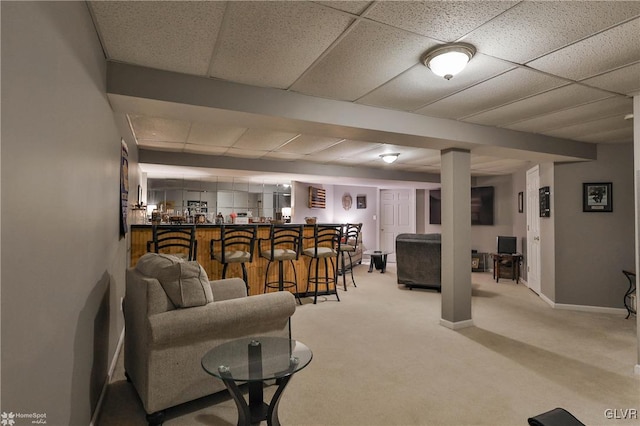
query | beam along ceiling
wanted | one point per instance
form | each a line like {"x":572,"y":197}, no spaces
{"x":562,"y":69}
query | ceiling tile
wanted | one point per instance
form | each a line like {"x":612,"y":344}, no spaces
{"x":446,"y":21}
{"x":214,"y":134}
{"x":613,"y":48}
{"x":532,"y":29}
{"x":624,"y":135}
{"x":588,"y":112}
{"x":625,"y":80}
{"x":346,"y":148}
{"x":355,"y":7}
{"x":308,"y":144}
{"x":419,"y":86}
{"x":263,"y":140}
{"x":553,"y":100}
{"x":355,"y":66}
{"x":164,"y":35}
{"x":591,"y":128}
{"x":508,"y":87}
{"x":159,"y":129}
{"x":163,"y":146}
{"x":290,"y":156}
{"x":205,"y":149}
{"x":273,"y":43}
{"x":244,"y":153}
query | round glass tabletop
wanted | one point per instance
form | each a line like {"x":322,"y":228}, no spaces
{"x":258,"y":358}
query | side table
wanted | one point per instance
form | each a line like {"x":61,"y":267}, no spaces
{"x":254,"y":360}
{"x":378,"y":259}
{"x":515,"y":260}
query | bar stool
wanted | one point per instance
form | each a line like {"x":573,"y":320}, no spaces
{"x":350,"y":240}
{"x":236,"y":246}
{"x":178,"y":240}
{"x":282,"y":245}
{"x":326,"y":246}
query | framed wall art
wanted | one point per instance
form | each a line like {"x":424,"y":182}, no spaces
{"x":597,"y":197}
{"x":361,"y":202}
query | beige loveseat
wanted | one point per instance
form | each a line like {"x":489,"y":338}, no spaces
{"x":174,"y":315}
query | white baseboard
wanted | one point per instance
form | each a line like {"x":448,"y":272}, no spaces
{"x":456,"y":325}
{"x":583,"y":308}
{"x":112,"y":368}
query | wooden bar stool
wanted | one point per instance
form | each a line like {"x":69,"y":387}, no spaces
{"x":326,"y":246}
{"x":236,"y":245}
{"x":282,"y":245}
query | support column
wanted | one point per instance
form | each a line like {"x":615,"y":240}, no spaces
{"x":456,"y":238}
{"x":636,"y":168}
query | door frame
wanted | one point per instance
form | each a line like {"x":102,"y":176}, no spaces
{"x":533,"y":203}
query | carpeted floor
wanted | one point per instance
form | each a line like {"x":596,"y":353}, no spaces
{"x":381,"y":358}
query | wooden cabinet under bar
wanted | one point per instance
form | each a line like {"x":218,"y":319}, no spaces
{"x":141,"y":234}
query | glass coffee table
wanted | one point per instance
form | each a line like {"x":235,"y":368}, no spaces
{"x":254,"y":360}
{"x":378,"y":258}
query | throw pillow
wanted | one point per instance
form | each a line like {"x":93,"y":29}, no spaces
{"x":150,"y":263}
{"x":186,"y":284}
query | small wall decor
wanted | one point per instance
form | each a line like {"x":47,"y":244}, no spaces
{"x":347,"y":201}
{"x":545,"y":201}
{"x":361,"y":202}
{"x":520,"y":202}
{"x":597,"y":197}
{"x":317,"y":198}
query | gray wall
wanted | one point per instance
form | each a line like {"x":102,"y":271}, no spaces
{"x":591,"y":249}
{"x":63,"y":260}
{"x":483,"y":237}
{"x":300,"y":203}
{"x":355,"y":215}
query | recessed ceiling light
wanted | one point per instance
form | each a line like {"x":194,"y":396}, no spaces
{"x":448,"y":60}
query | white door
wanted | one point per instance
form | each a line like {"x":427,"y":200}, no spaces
{"x":533,"y":229}
{"x":397,"y":216}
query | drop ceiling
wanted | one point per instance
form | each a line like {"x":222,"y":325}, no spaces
{"x":564,"y":71}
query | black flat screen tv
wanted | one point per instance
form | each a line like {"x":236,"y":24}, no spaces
{"x":481,"y":206}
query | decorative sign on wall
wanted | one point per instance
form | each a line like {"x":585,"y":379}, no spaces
{"x":545,"y":201}
{"x":317,"y":198}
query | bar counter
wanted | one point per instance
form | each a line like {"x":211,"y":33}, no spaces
{"x":140,"y":234}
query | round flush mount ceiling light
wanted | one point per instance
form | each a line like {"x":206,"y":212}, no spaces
{"x":448,"y":60}
{"x":390,"y":158}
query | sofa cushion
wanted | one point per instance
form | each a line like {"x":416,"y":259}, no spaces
{"x":186,"y":284}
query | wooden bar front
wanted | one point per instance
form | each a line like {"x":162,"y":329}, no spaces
{"x":141,"y":234}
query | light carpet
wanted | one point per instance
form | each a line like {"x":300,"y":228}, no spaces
{"x":380,"y":357}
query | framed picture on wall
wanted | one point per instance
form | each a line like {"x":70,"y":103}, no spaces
{"x":361,"y":202}
{"x":597,"y":197}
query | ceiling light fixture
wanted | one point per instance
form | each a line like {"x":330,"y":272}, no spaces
{"x":390,"y":158}
{"x":448,"y":60}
